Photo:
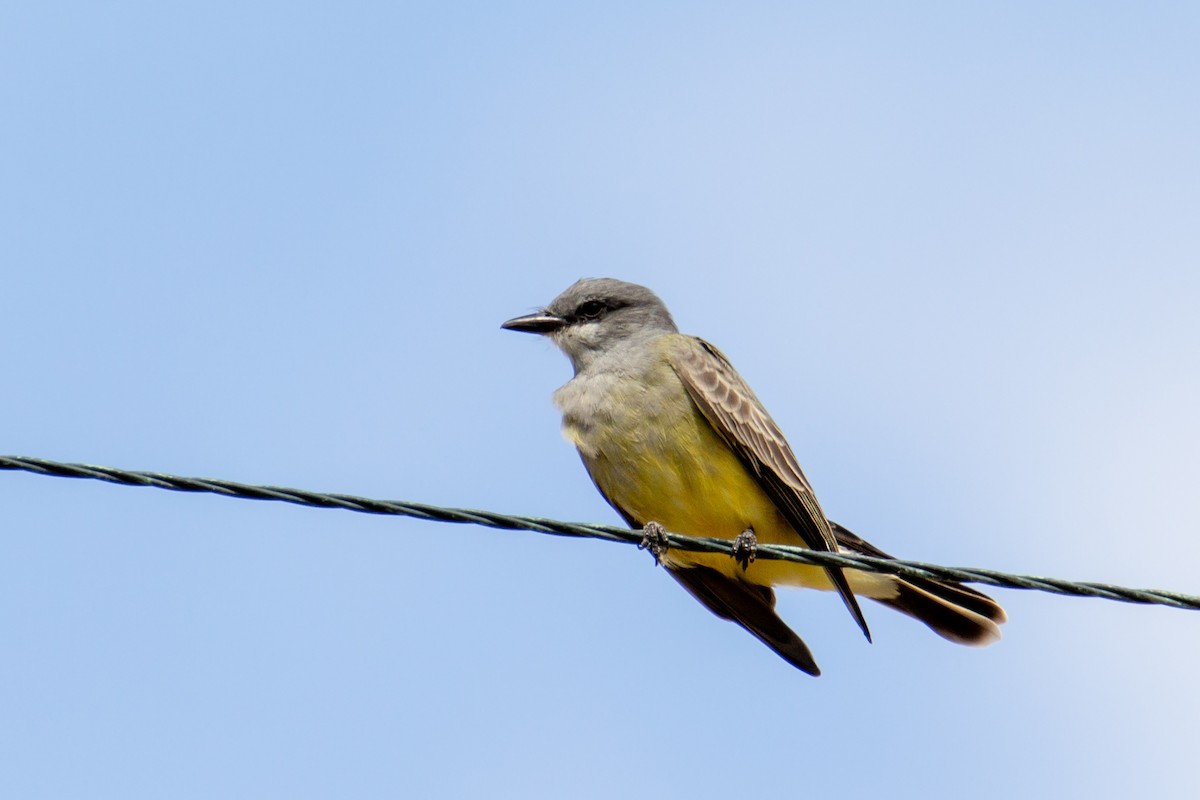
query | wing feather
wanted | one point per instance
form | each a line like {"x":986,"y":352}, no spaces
{"x":752,"y":607}
{"x":733,"y":410}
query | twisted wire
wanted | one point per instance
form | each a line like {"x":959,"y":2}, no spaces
{"x":492,"y":519}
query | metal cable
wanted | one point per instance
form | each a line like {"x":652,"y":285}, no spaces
{"x":492,"y":519}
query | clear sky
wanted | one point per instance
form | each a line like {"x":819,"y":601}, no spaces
{"x":954,"y":247}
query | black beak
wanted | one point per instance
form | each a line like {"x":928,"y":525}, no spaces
{"x":541,"y":322}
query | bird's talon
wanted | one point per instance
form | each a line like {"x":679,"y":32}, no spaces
{"x":745,"y":548}
{"x":654,"y":539}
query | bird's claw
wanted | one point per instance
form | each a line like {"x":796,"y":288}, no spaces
{"x":654,"y":539}
{"x":745,"y":548}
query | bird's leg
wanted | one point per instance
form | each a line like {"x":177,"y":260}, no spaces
{"x":745,"y":548}
{"x":654,"y":539}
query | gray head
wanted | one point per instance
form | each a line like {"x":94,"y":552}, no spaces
{"x":595,"y":315}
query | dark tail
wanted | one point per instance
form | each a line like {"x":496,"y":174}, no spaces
{"x":950,"y":609}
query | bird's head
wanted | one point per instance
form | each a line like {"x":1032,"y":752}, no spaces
{"x":598,"y":316}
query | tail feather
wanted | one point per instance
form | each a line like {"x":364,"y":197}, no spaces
{"x":950,"y":609}
{"x":946,"y":618}
{"x":959,"y":595}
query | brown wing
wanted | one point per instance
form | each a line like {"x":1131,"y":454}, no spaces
{"x":752,"y":607}
{"x":749,"y":605}
{"x":735,"y":413}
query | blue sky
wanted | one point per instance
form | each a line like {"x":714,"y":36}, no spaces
{"x":954,"y":249}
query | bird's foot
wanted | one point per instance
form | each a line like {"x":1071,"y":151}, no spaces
{"x":745,"y":548}
{"x":654,"y":539}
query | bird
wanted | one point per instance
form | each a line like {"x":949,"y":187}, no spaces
{"x":675,"y":440}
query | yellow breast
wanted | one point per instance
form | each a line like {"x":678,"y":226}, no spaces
{"x":654,"y":456}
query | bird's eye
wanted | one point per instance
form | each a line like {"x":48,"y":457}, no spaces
{"x":592,"y":309}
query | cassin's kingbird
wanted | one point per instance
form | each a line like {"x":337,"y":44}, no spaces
{"x":674,"y":439}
